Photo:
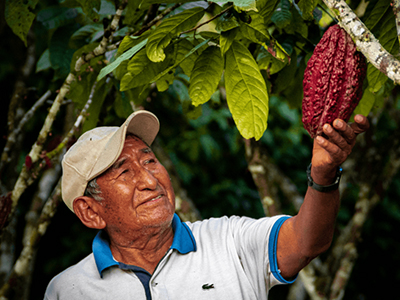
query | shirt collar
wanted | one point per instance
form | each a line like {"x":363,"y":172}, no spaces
{"x":183,"y":242}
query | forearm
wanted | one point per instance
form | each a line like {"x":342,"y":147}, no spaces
{"x":310,"y":232}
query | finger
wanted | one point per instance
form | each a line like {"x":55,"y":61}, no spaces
{"x":360,"y":125}
{"x":336,"y":154}
{"x":342,"y":139}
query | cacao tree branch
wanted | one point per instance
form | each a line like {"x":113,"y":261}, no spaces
{"x":257,"y":165}
{"x":22,"y":262}
{"x":107,"y":37}
{"x":13,"y":135}
{"x":22,"y":181}
{"x":365,"y":41}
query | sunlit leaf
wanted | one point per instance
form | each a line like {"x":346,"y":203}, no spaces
{"x":245,"y":5}
{"x":127,"y":55}
{"x":170,"y":28}
{"x":206,"y":75}
{"x":141,"y":70}
{"x":246,"y":92}
{"x":366,"y":103}
{"x":266,"y":8}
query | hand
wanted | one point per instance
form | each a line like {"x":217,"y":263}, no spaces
{"x":331,"y":152}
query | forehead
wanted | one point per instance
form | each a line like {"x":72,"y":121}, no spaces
{"x":132,"y":145}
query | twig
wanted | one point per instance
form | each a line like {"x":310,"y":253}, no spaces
{"x":79,"y":120}
{"x":13,"y":135}
{"x":209,"y":20}
{"x":156,"y":19}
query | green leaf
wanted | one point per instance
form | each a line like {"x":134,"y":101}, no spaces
{"x":246,"y":92}
{"x":164,"y":82}
{"x":93,"y":112}
{"x":84,"y":35}
{"x":377,"y":13}
{"x":133,"y":13}
{"x":177,"y":62}
{"x":366,"y":103}
{"x":170,"y":28}
{"x":44,"y":61}
{"x":388,"y":40}
{"x":127,"y":55}
{"x":60,"y":54}
{"x":56,"y":16}
{"x":226,"y":22}
{"x":245,"y":5}
{"x":282,"y":16}
{"x":206,"y":75}
{"x":185,"y":46}
{"x":122,"y":105}
{"x":146,"y":2}
{"x":266,"y":8}
{"x":307,"y":7}
{"x":90,"y":8}
{"x":19,"y":17}
{"x":256,"y":31}
{"x":141,"y":70}
{"x":226,"y":39}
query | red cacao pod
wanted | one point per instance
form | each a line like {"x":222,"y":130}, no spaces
{"x":333,"y":81}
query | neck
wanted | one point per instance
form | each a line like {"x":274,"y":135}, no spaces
{"x":143,"y":249}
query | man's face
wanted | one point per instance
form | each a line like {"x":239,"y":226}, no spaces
{"x":137,"y":191}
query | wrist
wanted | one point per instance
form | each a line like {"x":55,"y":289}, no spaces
{"x":323,"y":182}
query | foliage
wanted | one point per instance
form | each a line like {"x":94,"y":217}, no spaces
{"x":214,"y":72}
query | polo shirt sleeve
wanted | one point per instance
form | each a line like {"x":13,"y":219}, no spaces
{"x":256,"y":243}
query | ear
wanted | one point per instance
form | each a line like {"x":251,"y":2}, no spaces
{"x":87,"y":210}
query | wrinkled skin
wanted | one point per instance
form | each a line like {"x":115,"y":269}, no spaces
{"x":310,"y":232}
{"x":138,"y":206}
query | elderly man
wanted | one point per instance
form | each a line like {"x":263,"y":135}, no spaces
{"x":113,"y":182}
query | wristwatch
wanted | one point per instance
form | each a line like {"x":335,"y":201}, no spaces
{"x":324,"y":188}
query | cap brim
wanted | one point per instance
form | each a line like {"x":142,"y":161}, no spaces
{"x":142,"y":123}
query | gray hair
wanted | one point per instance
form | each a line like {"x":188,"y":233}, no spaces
{"x":93,"y":190}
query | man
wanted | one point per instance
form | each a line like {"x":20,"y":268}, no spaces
{"x":113,"y":182}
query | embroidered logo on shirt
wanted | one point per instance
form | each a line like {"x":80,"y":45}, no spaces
{"x":207,"y":286}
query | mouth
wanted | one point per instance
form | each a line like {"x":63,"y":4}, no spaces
{"x":156,"y":198}
{"x":152,"y":200}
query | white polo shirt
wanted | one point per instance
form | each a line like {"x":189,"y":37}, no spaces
{"x":220,"y":258}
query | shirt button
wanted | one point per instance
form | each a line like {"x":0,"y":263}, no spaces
{"x":154,"y":284}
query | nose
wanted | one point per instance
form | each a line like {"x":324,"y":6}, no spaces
{"x":146,"y":180}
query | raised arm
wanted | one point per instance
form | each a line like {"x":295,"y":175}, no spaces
{"x":310,"y":232}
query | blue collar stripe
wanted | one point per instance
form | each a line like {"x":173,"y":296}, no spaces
{"x":183,"y":241}
{"x":102,"y":252}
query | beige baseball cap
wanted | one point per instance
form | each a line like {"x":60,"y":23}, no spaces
{"x":98,"y":149}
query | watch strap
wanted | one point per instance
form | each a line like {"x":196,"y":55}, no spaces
{"x":324,"y":188}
